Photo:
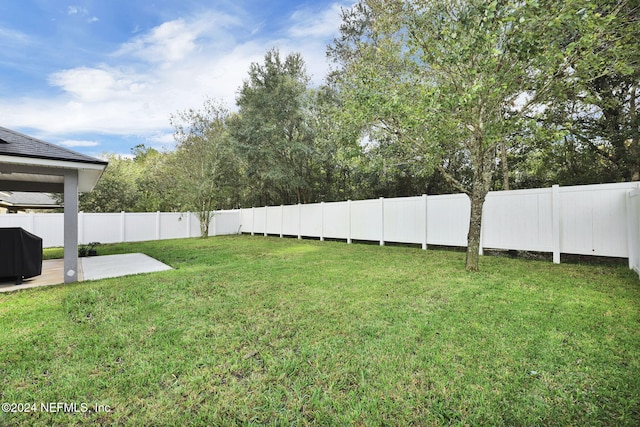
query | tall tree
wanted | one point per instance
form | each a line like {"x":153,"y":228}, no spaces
{"x":274,"y":131}
{"x":205,"y":164}
{"x":117,"y":189}
{"x":599,"y":104}
{"x":455,"y":76}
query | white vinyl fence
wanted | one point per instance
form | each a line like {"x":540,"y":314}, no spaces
{"x":122,"y":227}
{"x":600,"y":220}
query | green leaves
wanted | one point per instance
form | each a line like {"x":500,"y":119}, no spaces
{"x":205,"y":165}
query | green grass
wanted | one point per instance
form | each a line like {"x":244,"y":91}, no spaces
{"x":255,"y":330}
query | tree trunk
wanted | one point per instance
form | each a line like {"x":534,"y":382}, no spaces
{"x":505,"y":166}
{"x":484,"y":163}
{"x":475,"y":227}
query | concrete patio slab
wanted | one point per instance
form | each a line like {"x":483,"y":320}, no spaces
{"x":91,"y":268}
{"x":105,"y":266}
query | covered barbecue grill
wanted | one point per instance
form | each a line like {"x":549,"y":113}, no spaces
{"x":20,"y":254}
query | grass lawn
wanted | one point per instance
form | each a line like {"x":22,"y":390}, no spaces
{"x":255,"y":330}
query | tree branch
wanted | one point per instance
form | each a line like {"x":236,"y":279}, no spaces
{"x":453,"y":181}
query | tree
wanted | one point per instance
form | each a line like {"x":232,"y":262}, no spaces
{"x":117,"y":189}
{"x":455,"y":77}
{"x":205,"y":164}
{"x":598,"y":105}
{"x":273,"y":129}
{"x":156,"y":184}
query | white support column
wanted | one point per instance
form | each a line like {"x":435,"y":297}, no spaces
{"x":70,"y":226}
{"x":322,"y":221}
{"x":426,"y":223}
{"x":382,"y":221}
{"x":349,"y":219}
{"x":555,"y":222}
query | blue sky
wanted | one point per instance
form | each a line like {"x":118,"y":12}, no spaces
{"x":104,"y":75}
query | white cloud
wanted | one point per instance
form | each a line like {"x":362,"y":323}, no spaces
{"x":9,"y":36}
{"x":175,"y":40}
{"x":79,"y":143}
{"x":170,"y":68}
{"x":310,"y":23}
{"x":92,"y":20}
{"x":76,"y":10}
{"x":97,"y":84}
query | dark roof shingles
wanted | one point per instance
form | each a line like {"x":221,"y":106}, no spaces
{"x":20,"y":145}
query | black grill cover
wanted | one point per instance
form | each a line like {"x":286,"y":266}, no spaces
{"x":20,"y":254}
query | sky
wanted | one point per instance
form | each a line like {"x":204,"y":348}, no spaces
{"x":102,"y":76}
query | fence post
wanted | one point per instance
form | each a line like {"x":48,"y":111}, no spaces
{"x":158,"y":225}
{"x":349,"y":218}
{"x":424,"y":208}
{"x":481,"y":243}
{"x":555,"y":225}
{"x":382,"y":221}
{"x":266,"y":211}
{"x":281,"y":220}
{"x":633,"y":229}
{"x":253,"y":220}
{"x":122,"y":225}
{"x":321,"y":221}
{"x":299,"y":221}
{"x":215,"y":223}
{"x":188,"y":224}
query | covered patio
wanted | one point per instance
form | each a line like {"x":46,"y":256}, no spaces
{"x":32,"y":165}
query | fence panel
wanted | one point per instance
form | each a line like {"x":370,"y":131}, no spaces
{"x":404,"y":220}
{"x":519,"y":219}
{"x":291,"y":220}
{"x":49,"y":227}
{"x":259,"y":216}
{"x":311,"y":224}
{"x":102,"y":227}
{"x":18,"y":220}
{"x":139,"y":227}
{"x":173,"y":225}
{"x":448,"y":219}
{"x":593,"y":220}
{"x":274,"y":220}
{"x":336,"y":220}
{"x":246,"y":220}
{"x":366,"y":220}
{"x":226,"y":222}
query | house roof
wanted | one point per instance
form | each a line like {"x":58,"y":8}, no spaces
{"x":13,"y":143}
{"x":30,"y":164}
{"x":27,"y":200}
